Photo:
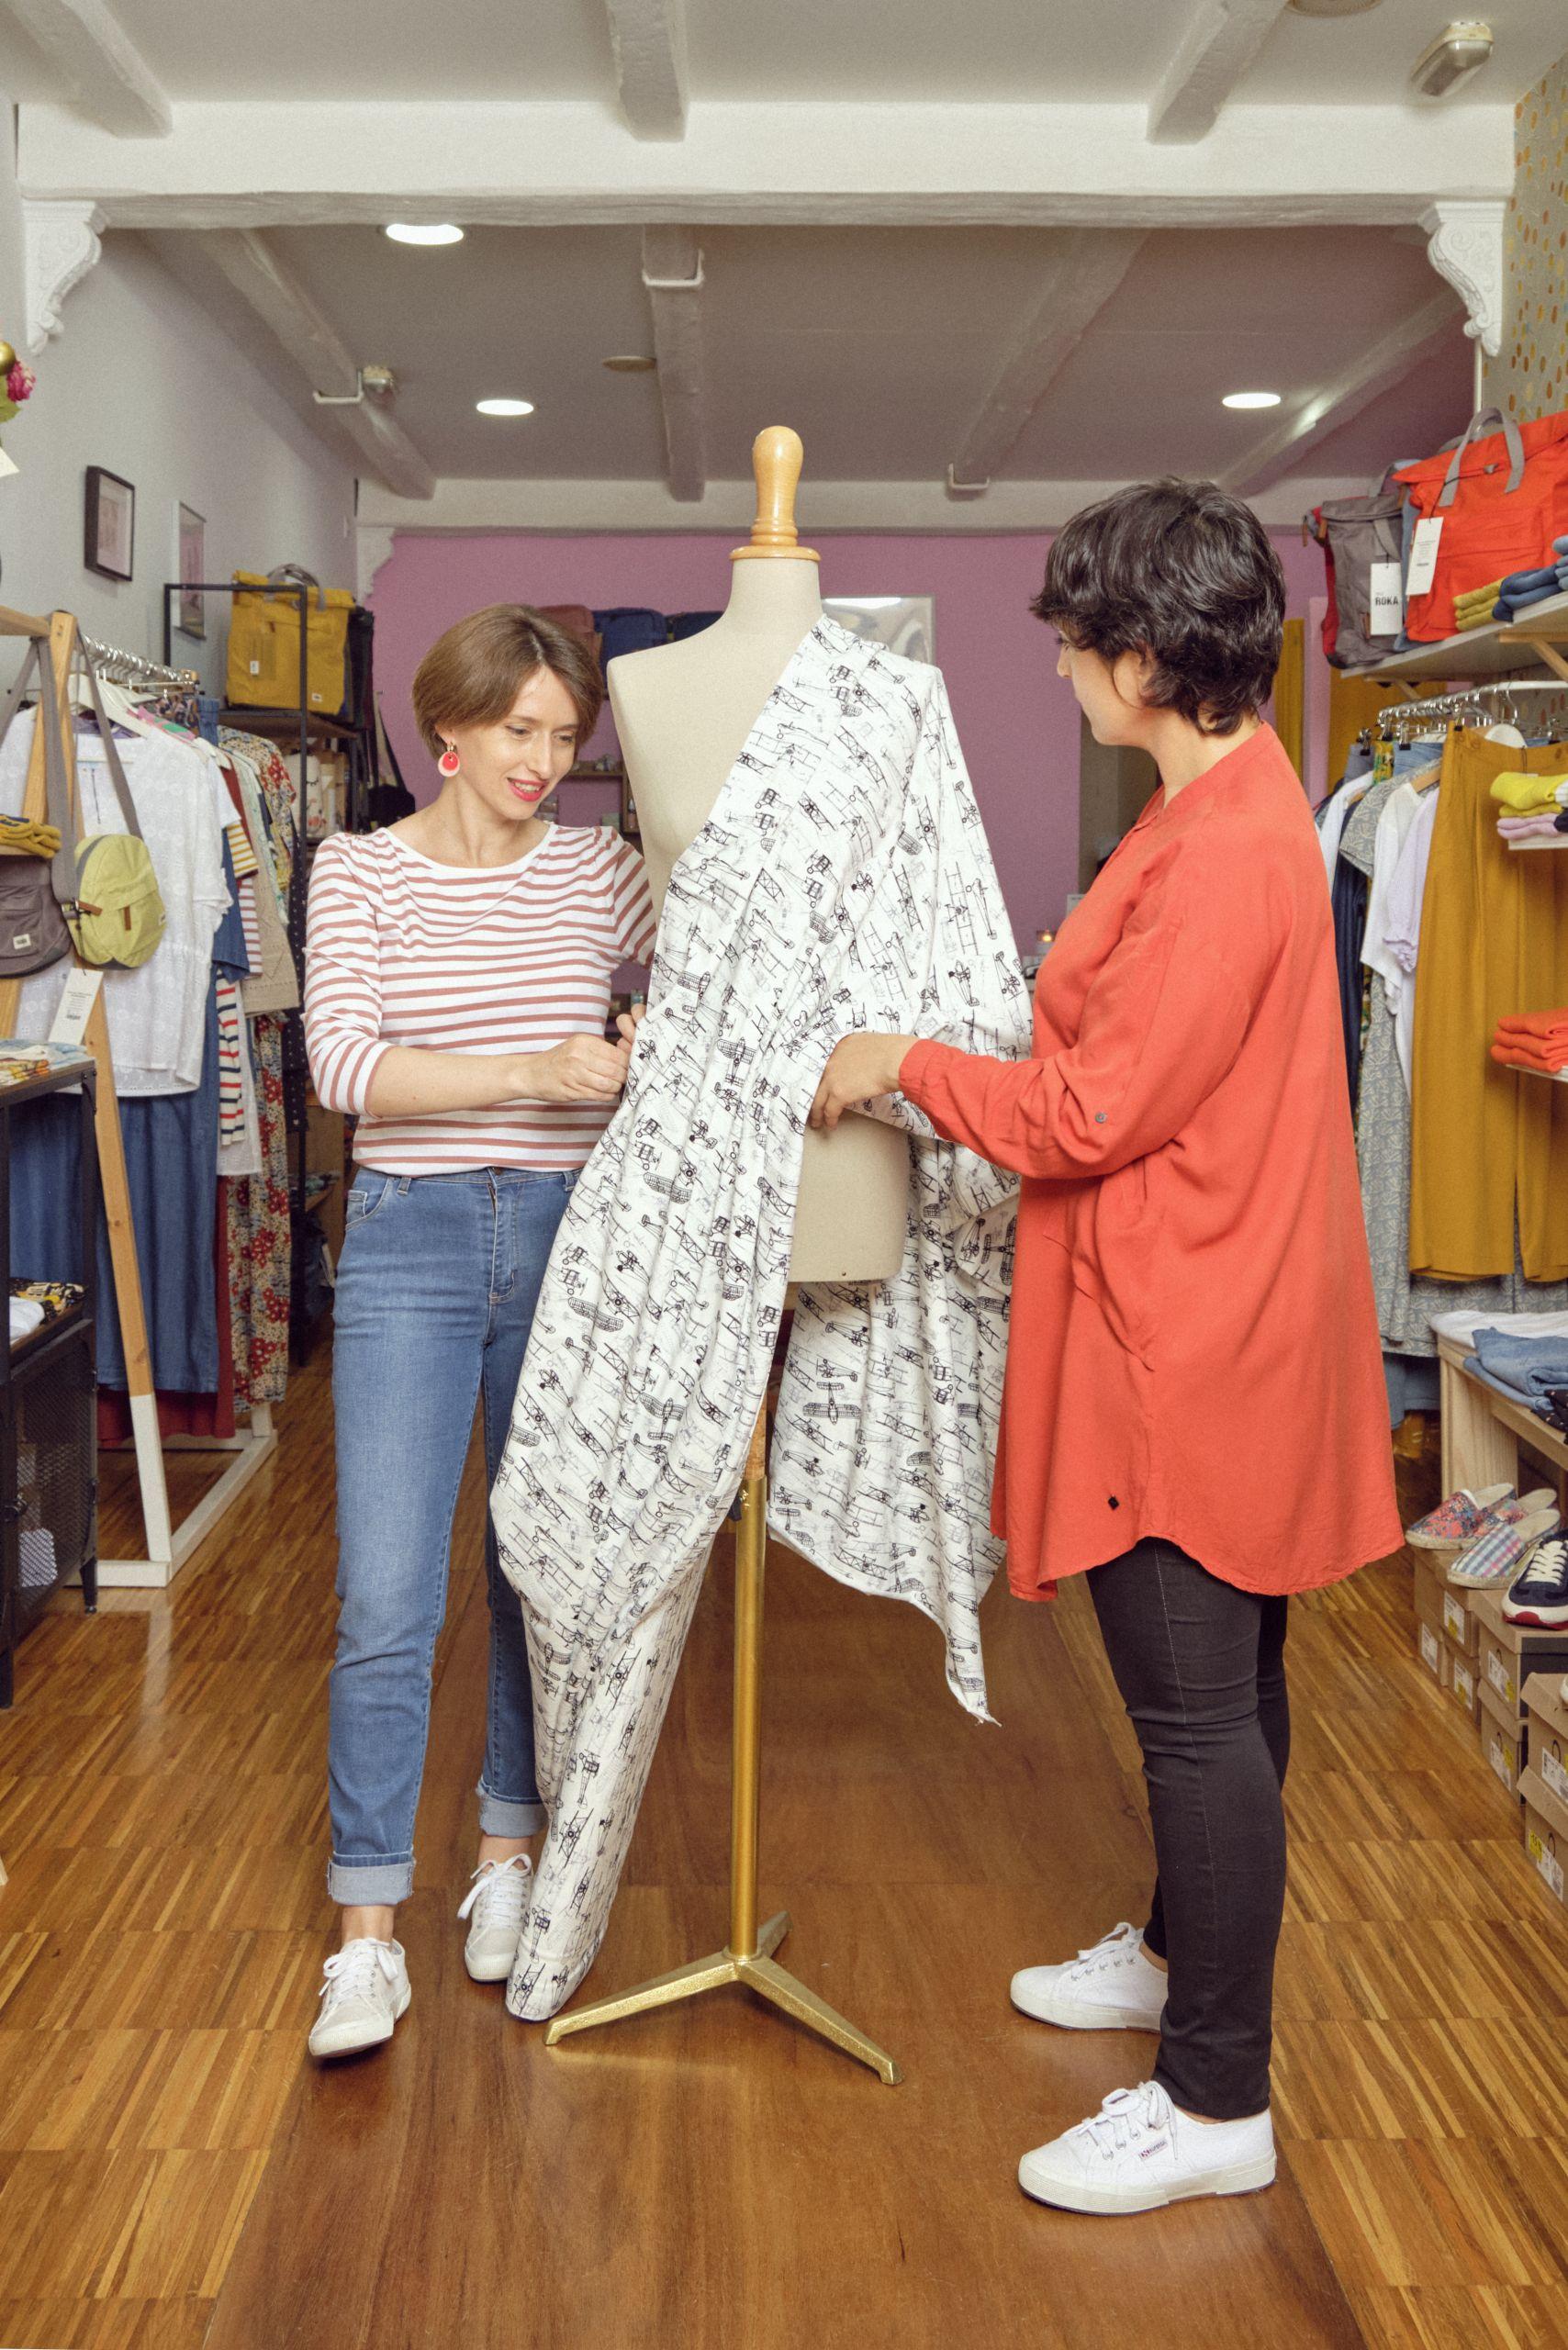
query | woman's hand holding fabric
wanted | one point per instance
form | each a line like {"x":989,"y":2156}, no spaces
{"x":584,"y":1068}
{"x":859,"y":1069}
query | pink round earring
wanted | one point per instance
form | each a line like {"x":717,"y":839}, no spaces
{"x":449,"y":761}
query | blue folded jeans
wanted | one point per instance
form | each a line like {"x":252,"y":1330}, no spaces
{"x":1528,"y":1368}
{"x":437,"y":1284}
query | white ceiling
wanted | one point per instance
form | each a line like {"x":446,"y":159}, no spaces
{"x":256,"y":144}
{"x":851,"y":50}
{"x":878,"y":344}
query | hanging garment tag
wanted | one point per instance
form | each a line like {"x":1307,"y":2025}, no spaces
{"x":75,"y":1009}
{"x":1424,"y":556}
{"x":1387,"y":600}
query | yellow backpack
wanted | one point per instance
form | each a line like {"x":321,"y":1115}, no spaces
{"x":263,"y":642}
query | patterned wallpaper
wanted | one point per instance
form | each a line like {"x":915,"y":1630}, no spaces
{"x":1530,"y":372}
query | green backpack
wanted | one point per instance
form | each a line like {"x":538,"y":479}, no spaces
{"x":118,"y":913}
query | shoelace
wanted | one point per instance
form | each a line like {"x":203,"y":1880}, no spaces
{"x":511,"y":1893}
{"x":1548,"y":1561}
{"x":1125,"y":2115}
{"x":1112,"y":1950}
{"x":351,"y":1972}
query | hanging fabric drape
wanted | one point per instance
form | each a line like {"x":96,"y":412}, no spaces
{"x":843,"y":881}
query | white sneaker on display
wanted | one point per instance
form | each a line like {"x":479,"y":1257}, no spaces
{"x":1139,"y":2152}
{"x":365,"y":1991}
{"x":1113,"y":1986}
{"x":499,"y":1897}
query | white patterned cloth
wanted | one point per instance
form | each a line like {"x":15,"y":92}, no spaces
{"x":842,"y":881}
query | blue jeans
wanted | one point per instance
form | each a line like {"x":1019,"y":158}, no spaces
{"x":439,"y":1278}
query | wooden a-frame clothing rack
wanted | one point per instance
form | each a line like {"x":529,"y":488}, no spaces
{"x":168,"y":1546}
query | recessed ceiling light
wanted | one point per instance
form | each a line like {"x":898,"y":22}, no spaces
{"x":630,"y":364}
{"x":505,"y":408}
{"x":414,"y":233}
{"x":1332,"y":7}
{"x":1250,"y":399}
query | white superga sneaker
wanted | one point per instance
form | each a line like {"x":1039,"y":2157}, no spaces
{"x":498,"y":1899}
{"x":365,"y":1991}
{"x":1113,"y":1986}
{"x":1139,"y":2153}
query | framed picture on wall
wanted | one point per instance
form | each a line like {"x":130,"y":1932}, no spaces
{"x":905,"y":624}
{"x":191,"y":551}
{"x":110,"y":537}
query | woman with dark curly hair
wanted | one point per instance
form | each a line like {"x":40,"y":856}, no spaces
{"x":1194,"y":1410}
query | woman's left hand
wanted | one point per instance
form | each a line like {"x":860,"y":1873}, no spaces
{"x":859,"y":1068}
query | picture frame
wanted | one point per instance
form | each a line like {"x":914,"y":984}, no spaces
{"x":109,"y":546}
{"x":191,"y":559}
{"x":904,"y":624}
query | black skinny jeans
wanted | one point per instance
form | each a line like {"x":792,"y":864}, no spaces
{"x":1199,"y":1667}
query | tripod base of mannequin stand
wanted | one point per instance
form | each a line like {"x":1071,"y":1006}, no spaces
{"x":747,"y":1957}
{"x":758,"y":1973}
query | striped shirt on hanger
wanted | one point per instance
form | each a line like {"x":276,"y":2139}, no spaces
{"x":514,"y":958}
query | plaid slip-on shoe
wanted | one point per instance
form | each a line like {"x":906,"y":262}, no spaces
{"x":1463,"y":1517}
{"x":1498,"y":1556}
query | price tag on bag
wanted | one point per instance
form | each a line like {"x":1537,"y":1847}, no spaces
{"x":1387,"y":600}
{"x":1424,"y":556}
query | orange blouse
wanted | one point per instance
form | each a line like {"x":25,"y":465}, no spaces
{"x":1194,"y":1349}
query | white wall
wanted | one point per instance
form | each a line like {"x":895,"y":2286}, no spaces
{"x":141,"y":382}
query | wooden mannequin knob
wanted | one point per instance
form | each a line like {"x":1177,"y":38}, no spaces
{"x":776,"y":459}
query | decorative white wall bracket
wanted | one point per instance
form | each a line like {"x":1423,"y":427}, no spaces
{"x":1464,"y":244}
{"x":60,"y":241}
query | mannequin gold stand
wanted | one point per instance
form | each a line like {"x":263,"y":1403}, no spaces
{"x":748,"y":1956}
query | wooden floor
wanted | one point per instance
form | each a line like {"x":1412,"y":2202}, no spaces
{"x":173,"y":2172}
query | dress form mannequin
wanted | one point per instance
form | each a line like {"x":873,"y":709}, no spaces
{"x":683,"y":713}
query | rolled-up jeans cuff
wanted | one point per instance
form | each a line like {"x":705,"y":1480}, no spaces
{"x":370,"y":1884}
{"x":499,"y":1817}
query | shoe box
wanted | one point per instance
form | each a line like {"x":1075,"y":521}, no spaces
{"x":1504,"y":1740}
{"x":1546,"y":1833}
{"x":1431,"y":1647}
{"x":1451,"y":1661}
{"x":1461,"y":1625}
{"x":1511,"y":1652}
{"x":1548,"y":1720}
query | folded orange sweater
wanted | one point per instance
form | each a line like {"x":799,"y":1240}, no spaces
{"x":1550,"y":1062}
{"x":1533,"y":1028}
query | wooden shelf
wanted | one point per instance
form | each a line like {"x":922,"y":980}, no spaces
{"x":1491,"y":652}
{"x":1482,"y":1428}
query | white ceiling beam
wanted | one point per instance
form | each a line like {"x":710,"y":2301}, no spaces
{"x":1221,"y":40}
{"x":672,"y":275}
{"x":1089,"y":268}
{"x":649,"y":41}
{"x":1394,"y":355}
{"x":890,"y":165}
{"x":571,"y":507}
{"x":112,"y":82}
{"x":251,"y":267}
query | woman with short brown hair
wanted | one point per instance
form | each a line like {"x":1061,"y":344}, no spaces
{"x":457,"y":987}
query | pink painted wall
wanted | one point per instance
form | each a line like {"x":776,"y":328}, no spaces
{"x":1016,"y":720}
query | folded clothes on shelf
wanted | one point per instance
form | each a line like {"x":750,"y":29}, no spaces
{"x":1461,"y":1326}
{"x":1527,"y":1369}
{"x":1524,"y":795}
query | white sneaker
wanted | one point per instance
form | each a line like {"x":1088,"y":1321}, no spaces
{"x":1113,"y":1986}
{"x":365,"y":1991}
{"x":1139,"y":2153}
{"x":497,"y":1900}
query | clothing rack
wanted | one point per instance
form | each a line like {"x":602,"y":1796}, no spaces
{"x":1477,"y":700}
{"x":135,"y":669}
{"x":168,"y":1546}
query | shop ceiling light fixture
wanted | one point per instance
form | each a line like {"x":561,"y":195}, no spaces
{"x":1252,"y":399}
{"x":1332,"y":7}
{"x":505,"y":408}
{"x":1459,"y":49}
{"x":414,"y":233}
{"x":630,"y":363}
